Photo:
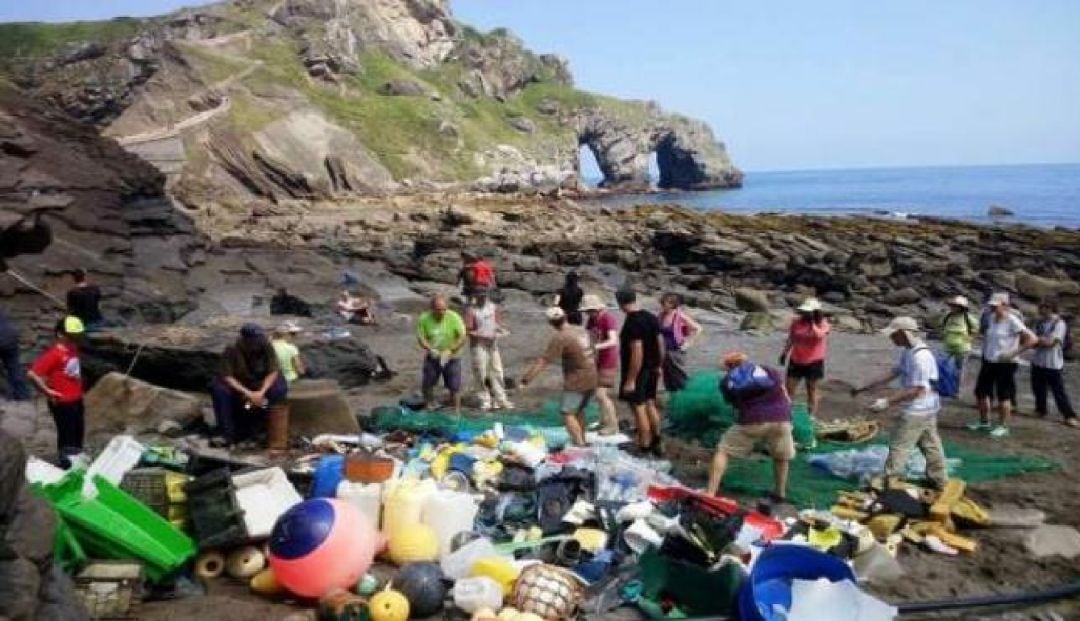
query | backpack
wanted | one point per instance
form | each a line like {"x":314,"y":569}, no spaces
{"x":967,"y":322}
{"x":743,"y":381}
{"x":947,"y":383}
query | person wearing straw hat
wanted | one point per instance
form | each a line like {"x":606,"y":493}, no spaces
{"x":805,"y":351}
{"x":603,"y":330}
{"x":288,"y":355}
{"x":917,"y":370}
{"x":1004,"y":339}
{"x":958,"y":330}
{"x":57,"y":374}
{"x":762,"y":415}
{"x":570,"y":347}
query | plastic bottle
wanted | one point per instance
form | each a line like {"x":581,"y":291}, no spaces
{"x":367,"y":497}
{"x":328,"y":473}
{"x":458,"y":564}
{"x":404,"y":503}
{"x":472,"y":594}
{"x":449,"y":513}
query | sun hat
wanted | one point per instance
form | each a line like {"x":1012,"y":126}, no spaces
{"x":72,"y":325}
{"x":288,"y":327}
{"x":590,"y":302}
{"x":998,"y":299}
{"x":733,"y":359}
{"x":907,"y":324}
{"x":555,"y":313}
{"x":809,"y":305}
{"x":959,"y":300}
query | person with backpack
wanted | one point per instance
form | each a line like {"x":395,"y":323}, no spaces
{"x":958,"y":330}
{"x":917,"y":370}
{"x":1004,"y":339}
{"x":762,"y":414}
{"x":476,"y":276}
{"x":1049,"y":361}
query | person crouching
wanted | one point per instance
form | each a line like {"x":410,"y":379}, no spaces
{"x":762,"y":414}
{"x":250,"y":383}
{"x":917,"y":371}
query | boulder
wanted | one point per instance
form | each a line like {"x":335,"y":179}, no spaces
{"x":1015,"y":516}
{"x":847,"y":323}
{"x":403,"y":88}
{"x":121,"y":404}
{"x":1039,"y":287}
{"x":757,"y":322}
{"x":317,"y":407}
{"x":997,"y":211}
{"x":1053,"y":540}
{"x":751,"y":300}
{"x":900,"y":297}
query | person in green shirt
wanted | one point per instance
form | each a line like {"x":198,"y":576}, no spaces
{"x":959,"y":329}
{"x":288,"y":355}
{"x":441,"y":334}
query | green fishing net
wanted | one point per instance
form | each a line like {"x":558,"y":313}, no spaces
{"x":446,"y":423}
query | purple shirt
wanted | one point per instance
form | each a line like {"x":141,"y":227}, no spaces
{"x":772,"y":406}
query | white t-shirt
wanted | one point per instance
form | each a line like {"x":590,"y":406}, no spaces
{"x":918,"y":367}
{"x":1050,"y":357}
{"x":485,"y":316}
{"x":1002,"y":337}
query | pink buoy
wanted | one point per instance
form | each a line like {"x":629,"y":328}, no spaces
{"x":320,"y":545}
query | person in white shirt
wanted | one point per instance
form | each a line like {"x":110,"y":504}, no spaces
{"x":1004,"y":339}
{"x":484,"y":324}
{"x":1049,"y":361}
{"x":916,"y":368}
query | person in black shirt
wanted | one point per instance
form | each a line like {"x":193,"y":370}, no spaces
{"x":250,"y":382}
{"x":84,"y":301}
{"x":569,"y":299}
{"x":9,"y":358}
{"x":642,"y":350}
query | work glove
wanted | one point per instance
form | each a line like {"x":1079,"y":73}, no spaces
{"x":880,"y":405}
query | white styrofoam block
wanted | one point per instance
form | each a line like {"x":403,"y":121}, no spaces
{"x":264,"y":495}
{"x":121,"y":454}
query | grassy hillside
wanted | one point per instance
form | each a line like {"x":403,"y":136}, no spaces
{"x":22,"y":41}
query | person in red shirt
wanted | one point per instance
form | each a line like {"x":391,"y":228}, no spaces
{"x":805,"y":351}
{"x":58,"y":375}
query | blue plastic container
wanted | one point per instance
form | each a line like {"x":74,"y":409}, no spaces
{"x":328,"y":474}
{"x":769,"y":585}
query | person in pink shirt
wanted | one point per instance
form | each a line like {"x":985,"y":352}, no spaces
{"x":603,"y":330}
{"x":805,"y":350}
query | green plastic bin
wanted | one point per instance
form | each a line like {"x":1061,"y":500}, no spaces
{"x":116,"y":526}
{"x":67,"y":550}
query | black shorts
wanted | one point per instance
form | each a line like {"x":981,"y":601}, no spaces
{"x":996,"y":380}
{"x":648,"y":381}
{"x":810,"y":372}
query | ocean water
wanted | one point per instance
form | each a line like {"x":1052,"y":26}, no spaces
{"x":1044,"y":195}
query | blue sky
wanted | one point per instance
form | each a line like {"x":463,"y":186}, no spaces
{"x":791,"y":84}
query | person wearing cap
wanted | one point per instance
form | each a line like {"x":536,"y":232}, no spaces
{"x":249,"y":383}
{"x":680,"y":332}
{"x":958,"y":330}
{"x":11,"y":359}
{"x":288,"y":355}
{"x":762,"y":415}
{"x":441,"y":334}
{"x":805,"y":351}
{"x":1004,"y":339}
{"x":603,"y":330}
{"x":641,"y":348}
{"x":484,"y":323}
{"x":570,"y":347}
{"x":1049,"y":361}
{"x":57,"y":374}
{"x":916,"y":368}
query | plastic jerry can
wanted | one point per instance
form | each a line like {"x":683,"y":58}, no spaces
{"x":449,"y":513}
{"x":367,"y":497}
{"x":404,"y":503}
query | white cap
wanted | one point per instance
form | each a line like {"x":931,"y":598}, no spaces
{"x":555,"y":313}
{"x":809,"y":305}
{"x":998,"y":299}
{"x":907,"y":324}
{"x":959,"y":301}
{"x":289,"y":327}
{"x":591,"y":301}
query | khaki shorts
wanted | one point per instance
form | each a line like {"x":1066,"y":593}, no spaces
{"x":739,"y":440}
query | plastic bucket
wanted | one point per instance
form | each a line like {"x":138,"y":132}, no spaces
{"x":769,"y":586}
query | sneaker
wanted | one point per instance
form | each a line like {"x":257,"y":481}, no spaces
{"x":979,"y":426}
{"x":999,"y":432}
{"x":1072,"y":421}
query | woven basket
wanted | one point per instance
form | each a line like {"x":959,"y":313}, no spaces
{"x":548,"y":591}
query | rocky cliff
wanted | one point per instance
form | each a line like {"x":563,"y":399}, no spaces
{"x":315,"y":99}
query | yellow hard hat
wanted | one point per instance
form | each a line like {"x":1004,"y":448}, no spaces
{"x":73,"y":325}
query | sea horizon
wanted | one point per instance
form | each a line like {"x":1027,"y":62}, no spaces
{"x":1042,"y":195}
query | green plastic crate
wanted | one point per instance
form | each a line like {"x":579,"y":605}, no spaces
{"x":116,"y":526}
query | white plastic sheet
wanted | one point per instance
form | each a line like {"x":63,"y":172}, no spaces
{"x":821,"y":600}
